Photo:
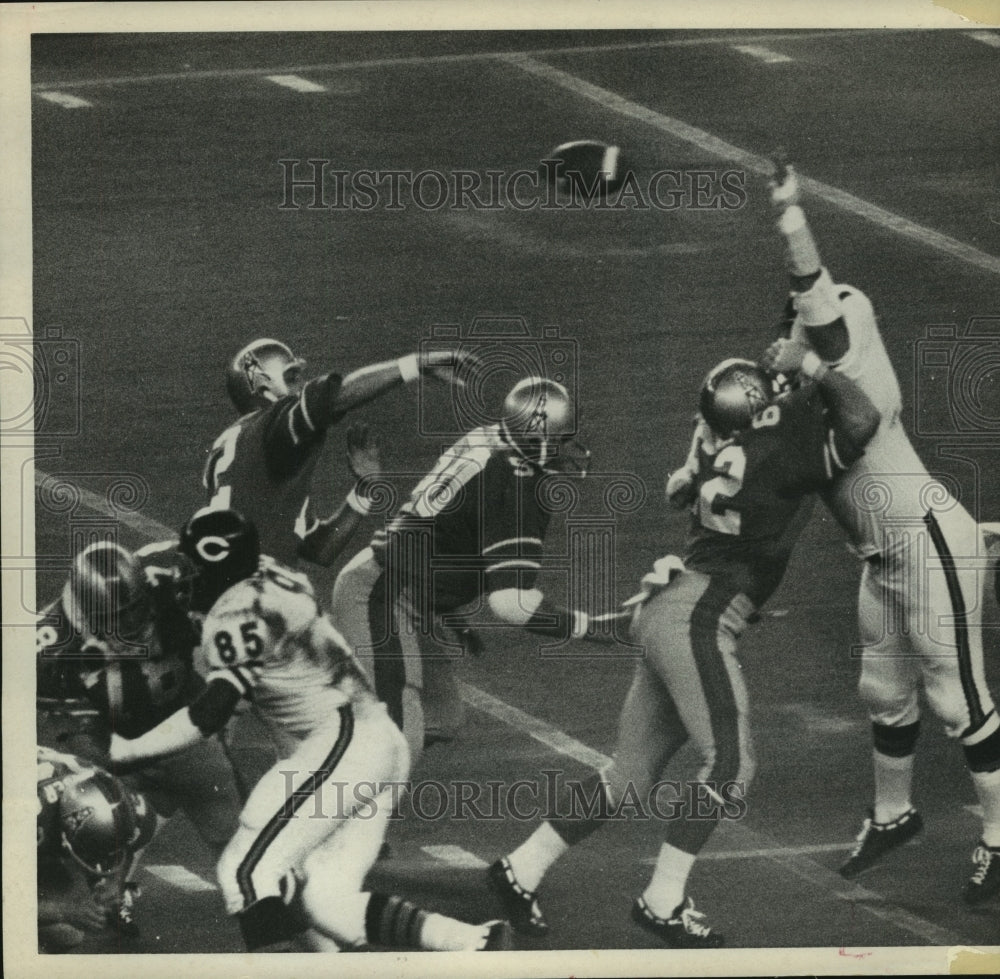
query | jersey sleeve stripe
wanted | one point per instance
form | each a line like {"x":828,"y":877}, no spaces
{"x":832,"y":441}
{"x":518,"y":563}
{"x":536,"y":541}
{"x":291,"y":427}
{"x":230,"y":676}
{"x":305,"y":411}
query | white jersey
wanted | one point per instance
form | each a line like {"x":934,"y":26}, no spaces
{"x":266,"y":636}
{"x":888,"y":489}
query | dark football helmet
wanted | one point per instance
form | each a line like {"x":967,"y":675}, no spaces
{"x":107,"y":595}
{"x":733,"y":394}
{"x":224,"y":547}
{"x":263,"y":371}
{"x":539,"y":423}
{"x":97,"y":820}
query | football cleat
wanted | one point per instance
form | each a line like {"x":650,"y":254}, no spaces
{"x":877,"y":839}
{"x":685,"y":928}
{"x":520,"y":904}
{"x":985,"y":880}
{"x":500,"y":937}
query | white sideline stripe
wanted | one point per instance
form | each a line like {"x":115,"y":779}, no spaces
{"x":442,"y":59}
{"x":66,"y":100}
{"x":975,"y":810}
{"x":766,"y":55}
{"x":455,"y":856}
{"x":133,"y":519}
{"x":759,"y":164}
{"x":986,"y":37}
{"x":763,"y":852}
{"x":177,"y":876}
{"x":794,"y":862}
{"x":562,"y":743}
{"x":295,"y":82}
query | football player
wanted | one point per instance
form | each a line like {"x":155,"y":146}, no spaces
{"x":262,"y":465}
{"x":249,"y":744}
{"x":89,"y":826}
{"x":121,"y":643}
{"x":472,"y":528}
{"x":920,"y":612}
{"x":314,"y":824}
{"x":753,"y":460}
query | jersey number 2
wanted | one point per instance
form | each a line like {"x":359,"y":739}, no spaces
{"x":730,"y":466}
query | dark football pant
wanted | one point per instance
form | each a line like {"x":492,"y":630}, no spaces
{"x":687,"y":687}
{"x":413,"y":674}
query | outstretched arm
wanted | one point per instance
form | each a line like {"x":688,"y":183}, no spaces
{"x":367,"y":383}
{"x":184,"y":728}
{"x":813,"y":292}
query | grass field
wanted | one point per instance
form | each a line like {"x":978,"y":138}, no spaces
{"x":160,"y":247}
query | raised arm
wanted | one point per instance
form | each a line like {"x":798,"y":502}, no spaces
{"x":367,"y":383}
{"x":814,"y":296}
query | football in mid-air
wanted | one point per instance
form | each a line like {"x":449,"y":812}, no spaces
{"x":587,"y":167}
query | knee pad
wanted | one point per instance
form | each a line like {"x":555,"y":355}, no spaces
{"x":898,"y":741}
{"x":885,"y":708}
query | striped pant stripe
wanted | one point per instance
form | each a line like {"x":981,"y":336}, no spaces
{"x":244,"y":873}
{"x":976,"y":714}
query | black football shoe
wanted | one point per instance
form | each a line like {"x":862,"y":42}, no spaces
{"x":985,"y":880}
{"x":876,"y":839}
{"x":685,"y":928}
{"x":520,"y":904}
{"x":500,"y":937}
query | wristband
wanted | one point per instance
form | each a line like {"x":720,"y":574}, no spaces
{"x":812,"y":366}
{"x":359,"y":504}
{"x":409,"y":368}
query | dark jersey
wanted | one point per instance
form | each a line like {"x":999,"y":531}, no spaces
{"x":263,"y":464}
{"x":132,"y":687}
{"x":474,"y":524}
{"x":751,"y":492}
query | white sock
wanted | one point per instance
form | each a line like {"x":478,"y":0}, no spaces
{"x":443,"y":934}
{"x":893,"y":778}
{"x":666,"y":890}
{"x":532,"y":859}
{"x":988,"y":789}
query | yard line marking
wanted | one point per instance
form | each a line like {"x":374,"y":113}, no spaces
{"x":455,"y":856}
{"x":975,"y":810}
{"x":442,"y":59}
{"x":759,"y":164}
{"x":534,"y":727}
{"x":178,"y":876}
{"x":795,"y":863}
{"x":295,"y":82}
{"x":766,"y":55}
{"x":134,"y":519}
{"x":66,"y":100}
{"x":987,"y":37}
{"x":768,"y":852}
